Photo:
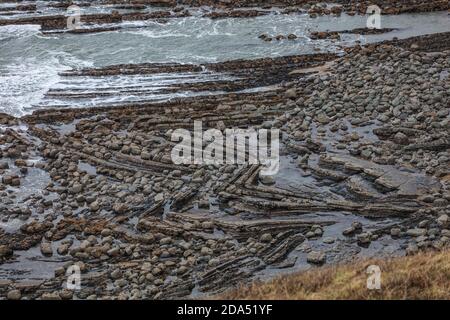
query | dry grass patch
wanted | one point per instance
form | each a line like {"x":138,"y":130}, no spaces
{"x":423,"y":276}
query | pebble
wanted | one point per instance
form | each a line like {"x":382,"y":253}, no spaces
{"x":364,"y":238}
{"x":316,"y":257}
{"x":5,"y":251}
{"x":266,"y":237}
{"x":51,"y":296}
{"x":94,"y":206}
{"x":328,"y":240}
{"x":46,"y":249}
{"x":443,"y":220}
{"x":416,"y":232}
{"x":266,"y":179}
{"x":116,"y":274}
{"x":14,"y":295}
{"x":412,"y":249}
{"x":395,"y":232}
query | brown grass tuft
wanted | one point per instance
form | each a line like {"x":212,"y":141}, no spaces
{"x":423,"y":276}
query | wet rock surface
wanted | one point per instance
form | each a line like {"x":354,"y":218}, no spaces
{"x":316,"y":35}
{"x":364,"y":171}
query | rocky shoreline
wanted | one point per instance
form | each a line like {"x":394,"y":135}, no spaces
{"x":365,"y":158}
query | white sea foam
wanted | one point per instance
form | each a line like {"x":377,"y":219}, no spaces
{"x":17,"y":31}
{"x":24,"y":83}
